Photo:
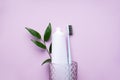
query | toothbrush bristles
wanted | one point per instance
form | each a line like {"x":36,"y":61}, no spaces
{"x":70,"y":30}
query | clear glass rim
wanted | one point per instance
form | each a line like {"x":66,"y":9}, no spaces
{"x":73,"y":63}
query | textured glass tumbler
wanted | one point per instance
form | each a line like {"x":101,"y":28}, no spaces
{"x":63,"y":71}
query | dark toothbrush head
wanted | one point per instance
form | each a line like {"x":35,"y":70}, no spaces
{"x":70,"y":30}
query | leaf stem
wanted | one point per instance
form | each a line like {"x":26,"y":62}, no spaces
{"x":47,"y":49}
{"x":49,"y":54}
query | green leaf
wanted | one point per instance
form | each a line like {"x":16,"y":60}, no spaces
{"x":33,"y":32}
{"x":46,"y":61}
{"x":39,"y":44}
{"x":50,"y":48}
{"x":47,"y":33}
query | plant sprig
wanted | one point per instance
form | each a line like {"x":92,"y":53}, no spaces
{"x":42,"y":42}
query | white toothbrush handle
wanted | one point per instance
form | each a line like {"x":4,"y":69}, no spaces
{"x":69,"y":50}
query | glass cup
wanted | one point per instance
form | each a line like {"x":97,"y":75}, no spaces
{"x":63,"y":71}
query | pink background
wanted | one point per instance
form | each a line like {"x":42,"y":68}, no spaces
{"x":95,"y":43}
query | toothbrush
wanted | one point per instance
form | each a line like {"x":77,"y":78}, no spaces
{"x":69,"y":33}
